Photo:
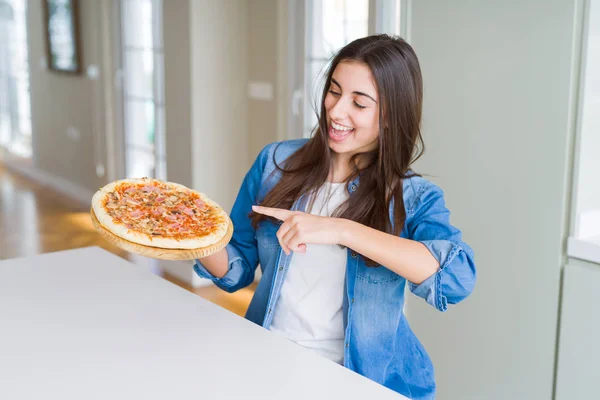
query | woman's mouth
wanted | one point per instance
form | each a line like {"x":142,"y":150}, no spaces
{"x":339,"y":132}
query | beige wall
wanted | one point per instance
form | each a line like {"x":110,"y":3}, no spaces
{"x":214,"y":131}
{"x":212,"y":125}
{"x":498,"y":125}
{"x":262,"y":67}
{"x":178,"y":96}
{"x":232,"y":42}
{"x":59,"y":102}
{"x":219,"y":59}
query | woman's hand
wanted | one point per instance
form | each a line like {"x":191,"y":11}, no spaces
{"x":408,"y":258}
{"x":300,"y":228}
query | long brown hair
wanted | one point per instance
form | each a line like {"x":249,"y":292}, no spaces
{"x":395,"y":69}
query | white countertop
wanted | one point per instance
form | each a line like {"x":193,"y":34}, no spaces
{"x":585,"y":242}
{"x":85,"y":324}
{"x":587,"y":249}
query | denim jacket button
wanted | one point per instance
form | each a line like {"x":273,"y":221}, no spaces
{"x":353,"y":188}
{"x":281,"y":268}
{"x":353,"y":254}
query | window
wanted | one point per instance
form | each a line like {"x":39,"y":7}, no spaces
{"x":143,"y":94}
{"x":15,"y":108}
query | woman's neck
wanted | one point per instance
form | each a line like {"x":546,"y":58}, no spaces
{"x":340,"y":168}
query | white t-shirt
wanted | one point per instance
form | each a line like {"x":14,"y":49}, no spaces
{"x":309,"y":309}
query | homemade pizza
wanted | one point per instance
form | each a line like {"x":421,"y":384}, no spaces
{"x":161,"y":215}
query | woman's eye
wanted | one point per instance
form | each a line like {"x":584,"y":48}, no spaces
{"x":333,"y":92}
{"x":359,"y":105}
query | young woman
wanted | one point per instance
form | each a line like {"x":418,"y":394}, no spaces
{"x":340,"y":224}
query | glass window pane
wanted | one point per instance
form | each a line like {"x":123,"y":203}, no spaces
{"x":15,"y":110}
{"x":140,"y":164}
{"x":316,"y":70}
{"x":137,"y":23}
{"x":341,"y":22}
{"x":159,"y":68}
{"x":139,"y":74}
{"x":5,"y":128}
{"x":160,"y":132}
{"x":158,"y":26}
{"x":139,"y":124}
{"x":25,"y":126}
{"x":21,"y":146}
{"x":23,"y":101}
{"x":4,"y":101}
{"x":161,"y":169}
{"x":143,"y":86}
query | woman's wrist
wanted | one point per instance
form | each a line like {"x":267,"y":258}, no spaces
{"x":345,"y":229}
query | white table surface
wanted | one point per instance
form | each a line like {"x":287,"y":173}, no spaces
{"x":85,"y":324}
{"x":587,"y":249}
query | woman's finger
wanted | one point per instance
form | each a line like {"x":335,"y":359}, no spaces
{"x":278,"y":213}
{"x":287,"y":239}
{"x":295,"y":242}
{"x":283,"y":229}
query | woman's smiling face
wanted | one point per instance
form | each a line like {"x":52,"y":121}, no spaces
{"x":352,"y":109}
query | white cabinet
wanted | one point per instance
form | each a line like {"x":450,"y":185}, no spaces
{"x":578,"y":371}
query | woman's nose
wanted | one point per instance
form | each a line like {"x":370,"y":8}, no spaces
{"x":339,"y":110}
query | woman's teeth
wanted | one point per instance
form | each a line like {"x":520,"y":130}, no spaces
{"x":342,"y":128}
{"x":339,"y":135}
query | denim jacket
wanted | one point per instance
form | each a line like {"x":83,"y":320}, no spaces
{"x":379,"y":343}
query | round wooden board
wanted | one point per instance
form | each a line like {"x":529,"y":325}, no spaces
{"x":159,"y":252}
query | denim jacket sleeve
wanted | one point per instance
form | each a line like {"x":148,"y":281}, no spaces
{"x":430,"y":225}
{"x":242,"y":250}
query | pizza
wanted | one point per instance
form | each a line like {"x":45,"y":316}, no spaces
{"x":159,"y":214}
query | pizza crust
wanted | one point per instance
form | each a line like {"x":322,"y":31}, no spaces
{"x":123,"y":232}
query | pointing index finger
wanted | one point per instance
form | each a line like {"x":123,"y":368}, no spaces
{"x":278,"y":213}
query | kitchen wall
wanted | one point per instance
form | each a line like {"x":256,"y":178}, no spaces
{"x":262,"y":68}
{"x":178,"y":90}
{"x":500,"y":83}
{"x":219,"y":78}
{"x":231,"y":44}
